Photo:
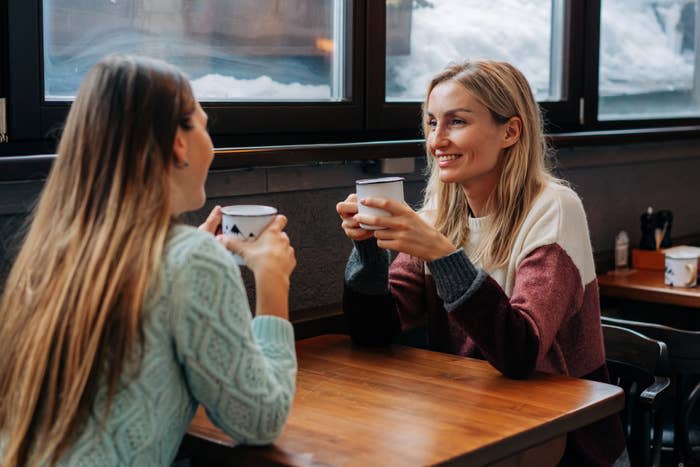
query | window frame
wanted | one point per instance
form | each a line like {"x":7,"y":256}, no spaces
{"x":590,"y":92}
{"x":365,"y":117}
{"x":32,"y":118}
{"x":385,"y":115}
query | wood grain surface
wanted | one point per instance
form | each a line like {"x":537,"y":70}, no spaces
{"x":646,"y":286}
{"x":405,"y":406}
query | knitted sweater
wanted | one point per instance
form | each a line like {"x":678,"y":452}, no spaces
{"x":201,"y":346}
{"x":540,"y":312}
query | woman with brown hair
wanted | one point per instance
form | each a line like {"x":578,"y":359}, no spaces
{"x":116,"y":320}
{"x":497,"y":263}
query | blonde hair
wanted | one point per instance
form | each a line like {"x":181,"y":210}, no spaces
{"x":503,"y":89}
{"x":71,"y":312}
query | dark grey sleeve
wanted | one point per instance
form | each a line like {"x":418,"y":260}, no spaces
{"x":456,"y":278}
{"x":367,"y":270}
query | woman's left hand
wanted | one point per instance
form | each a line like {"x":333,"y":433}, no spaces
{"x":405,"y":231}
{"x":213,"y":222}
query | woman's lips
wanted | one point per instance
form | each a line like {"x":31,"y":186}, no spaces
{"x":445,"y":160}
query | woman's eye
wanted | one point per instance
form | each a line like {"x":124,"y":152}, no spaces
{"x":458,"y":121}
{"x":432,"y":123}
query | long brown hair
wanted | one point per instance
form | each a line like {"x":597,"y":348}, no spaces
{"x":71,"y":311}
{"x":503,"y":89}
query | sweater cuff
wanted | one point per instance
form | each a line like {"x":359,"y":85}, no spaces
{"x":271,"y":329}
{"x":367,"y":271}
{"x":456,"y":278}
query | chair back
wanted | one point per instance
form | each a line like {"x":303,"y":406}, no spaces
{"x":684,"y":356}
{"x":640,"y":366}
{"x":683,"y":345}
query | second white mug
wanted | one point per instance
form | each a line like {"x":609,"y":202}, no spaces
{"x":681,"y":270}
{"x":386,"y":187}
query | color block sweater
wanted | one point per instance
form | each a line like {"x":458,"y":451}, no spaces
{"x":201,"y":346}
{"x":540,"y":312}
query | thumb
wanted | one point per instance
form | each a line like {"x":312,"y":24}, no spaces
{"x":213,"y":220}
{"x":278,"y":223}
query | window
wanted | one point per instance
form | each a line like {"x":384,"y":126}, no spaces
{"x":281,"y":72}
{"x":235,"y":50}
{"x":648,"y":65}
{"x":411,"y":40}
{"x":421,"y":37}
{"x":269,"y":72}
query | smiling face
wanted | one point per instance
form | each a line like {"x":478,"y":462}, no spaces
{"x":463,"y":137}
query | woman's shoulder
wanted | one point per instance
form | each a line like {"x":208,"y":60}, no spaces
{"x":558,"y":193}
{"x":193,"y":257}
{"x":556,"y":216}
{"x":186,"y":243}
{"x":557,"y":203}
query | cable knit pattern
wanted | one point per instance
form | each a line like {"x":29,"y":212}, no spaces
{"x":202,"y":346}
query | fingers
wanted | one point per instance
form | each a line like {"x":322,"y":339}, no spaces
{"x":281,"y":221}
{"x":231,"y":243}
{"x":277,"y":224}
{"x":213,"y":221}
{"x":346,"y":209}
{"x":358,"y":234}
{"x":394,"y":223}
{"x":368,"y":219}
{"x":392,"y":206}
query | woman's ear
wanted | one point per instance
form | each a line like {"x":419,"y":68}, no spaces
{"x":514,"y":128}
{"x":179,"y":148}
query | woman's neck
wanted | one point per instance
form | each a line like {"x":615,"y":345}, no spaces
{"x":478,"y":199}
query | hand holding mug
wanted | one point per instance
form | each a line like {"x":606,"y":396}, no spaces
{"x":271,"y":254}
{"x":213,"y":222}
{"x":271,"y":259}
{"x":404,"y":230}
{"x":347,"y":210}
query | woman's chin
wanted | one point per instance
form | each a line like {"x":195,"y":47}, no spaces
{"x":447,"y":177}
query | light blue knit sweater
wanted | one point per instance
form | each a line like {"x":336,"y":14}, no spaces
{"x":201,"y":347}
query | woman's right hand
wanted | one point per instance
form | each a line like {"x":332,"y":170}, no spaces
{"x":347,"y":210}
{"x":271,"y":259}
{"x":271,"y":254}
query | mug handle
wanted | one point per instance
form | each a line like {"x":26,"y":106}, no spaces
{"x":693,"y":274}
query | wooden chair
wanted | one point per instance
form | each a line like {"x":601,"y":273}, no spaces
{"x":683,"y":434}
{"x":640,"y":366}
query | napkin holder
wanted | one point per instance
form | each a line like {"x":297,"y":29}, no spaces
{"x":656,"y":259}
{"x":648,"y":259}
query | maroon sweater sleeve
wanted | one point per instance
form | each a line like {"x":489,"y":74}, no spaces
{"x":514,"y":334}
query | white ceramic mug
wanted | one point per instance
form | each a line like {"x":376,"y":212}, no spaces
{"x":246,"y":221}
{"x":681,"y":270}
{"x":387,"y":187}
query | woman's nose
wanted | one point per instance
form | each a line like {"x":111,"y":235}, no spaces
{"x":439,"y":137}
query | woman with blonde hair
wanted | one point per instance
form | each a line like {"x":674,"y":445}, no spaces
{"x":116,"y":320}
{"x":498,"y":262}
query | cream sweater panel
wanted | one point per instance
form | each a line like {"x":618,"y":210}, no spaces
{"x":557,"y":216}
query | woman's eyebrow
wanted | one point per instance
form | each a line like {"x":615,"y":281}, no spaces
{"x":452,"y":111}
{"x":459,"y":109}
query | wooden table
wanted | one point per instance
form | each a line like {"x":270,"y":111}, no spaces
{"x":646,"y":286}
{"x":405,"y":406}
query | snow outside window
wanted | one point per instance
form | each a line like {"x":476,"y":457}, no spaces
{"x":423,"y":36}
{"x":648,"y":60}
{"x":232,"y":50}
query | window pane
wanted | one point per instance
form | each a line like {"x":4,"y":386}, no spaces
{"x":232,"y":50}
{"x":648,"y":64}
{"x":423,"y":36}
